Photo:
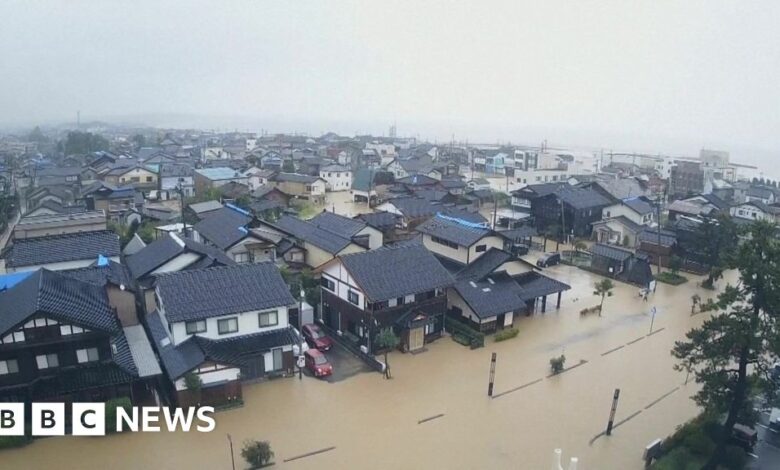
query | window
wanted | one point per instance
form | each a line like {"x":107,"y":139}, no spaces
{"x":429,"y":328}
{"x":481,"y":248}
{"x":46,"y":361}
{"x":9,"y":366}
{"x":227,"y":325}
{"x":353,"y":297}
{"x":328,"y":284}
{"x":198,"y":326}
{"x":87,"y":355}
{"x":70,"y":330}
{"x":400,"y":301}
{"x":277,"y":353}
{"x":444,"y":242}
{"x":148,"y":179}
{"x":241,"y":257}
{"x":15,"y":337}
{"x":269,"y":318}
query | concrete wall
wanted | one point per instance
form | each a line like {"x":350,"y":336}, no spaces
{"x":248,"y":323}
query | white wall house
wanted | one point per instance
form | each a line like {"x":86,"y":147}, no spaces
{"x":337,"y":177}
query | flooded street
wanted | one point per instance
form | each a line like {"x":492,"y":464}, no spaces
{"x":435,"y":412}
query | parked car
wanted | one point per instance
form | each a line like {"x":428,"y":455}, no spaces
{"x":316,"y":338}
{"x":317,"y":363}
{"x":548,"y":259}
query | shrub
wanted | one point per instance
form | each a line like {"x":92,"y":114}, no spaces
{"x":257,"y":453}
{"x":557,"y":363}
{"x":586,"y":311}
{"x":456,"y":328}
{"x":506,"y":333}
{"x":111,"y":407}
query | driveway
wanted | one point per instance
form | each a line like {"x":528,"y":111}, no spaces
{"x":345,"y":364}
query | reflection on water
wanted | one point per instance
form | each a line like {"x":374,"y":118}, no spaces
{"x":435,"y":412}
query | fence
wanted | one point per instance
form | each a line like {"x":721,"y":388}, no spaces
{"x":464,"y":334}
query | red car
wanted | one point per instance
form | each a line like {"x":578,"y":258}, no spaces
{"x":316,"y":338}
{"x":317,"y":363}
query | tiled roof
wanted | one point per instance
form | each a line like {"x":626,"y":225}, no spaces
{"x":539,"y":190}
{"x":310,"y":233}
{"x":295,"y":178}
{"x":61,"y":248}
{"x":650,"y":236}
{"x":165,"y":249}
{"x":113,"y":272}
{"x":640,"y":205}
{"x":223,"y":227}
{"x":418,"y":180}
{"x":496,"y":294}
{"x":581,"y":198}
{"x":59,"y":297}
{"x":338,"y":224}
{"x":141,"y":351}
{"x":221,"y":173}
{"x":207,"y":206}
{"x":204,"y":293}
{"x":625,"y":221}
{"x":536,"y":285}
{"x":380,"y":220}
{"x":453,"y":231}
{"x":485,"y":264}
{"x":611,"y":252}
{"x":394,"y":271}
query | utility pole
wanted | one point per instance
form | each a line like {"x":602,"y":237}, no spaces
{"x":232,"y":457}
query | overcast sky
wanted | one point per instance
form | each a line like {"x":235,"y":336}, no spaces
{"x":655,"y":75}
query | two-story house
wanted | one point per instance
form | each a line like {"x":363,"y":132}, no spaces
{"x":337,"y":177}
{"x":459,"y":241}
{"x":61,"y":339}
{"x":63,"y":251}
{"x":623,"y":221}
{"x":400,"y":287}
{"x":224,"y":325}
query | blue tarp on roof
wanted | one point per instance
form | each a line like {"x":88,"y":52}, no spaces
{"x":7,"y":281}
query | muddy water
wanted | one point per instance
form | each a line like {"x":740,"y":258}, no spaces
{"x":373,"y":423}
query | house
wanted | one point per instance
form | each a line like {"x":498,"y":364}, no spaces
{"x":398,"y":287}
{"x":176,"y":178}
{"x":760,"y":194}
{"x":415,"y":210}
{"x":58,"y":224}
{"x":319,"y":244}
{"x":568,"y":211}
{"x":755,"y":210}
{"x":228,"y":229}
{"x":257,"y":177}
{"x":453,"y":185}
{"x":302,"y":186}
{"x":687,"y":178}
{"x":269,"y":201}
{"x":115,"y":201}
{"x":363,"y":187}
{"x":699,"y":205}
{"x":619,"y":230}
{"x":356,"y":230}
{"x":638,"y":210}
{"x":621,"y":264}
{"x":58,"y":252}
{"x":491,"y":291}
{"x":225,"y":325}
{"x":170,"y":253}
{"x":657,"y":242}
{"x":476,"y":184}
{"x":58,"y":194}
{"x":138,"y":177}
{"x":523,"y":197}
{"x":337,"y":177}
{"x":63,"y":340}
{"x":457,"y":240}
{"x":52,"y":207}
{"x":385,"y":222}
{"x":208,"y":178}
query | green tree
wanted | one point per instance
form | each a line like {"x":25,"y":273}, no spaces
{"x":387,"y":340}
{"x":714,"y":243}
{"x":257,"y":453}
{"x":695,"y":300}
{"x":288,"y":166}
{"x":84,"y":142}
{"x":603,"y":288}
{"x":36,"y":135}
{"x":731,"y":353}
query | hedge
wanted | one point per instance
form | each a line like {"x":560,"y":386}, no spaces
{"x":506,"y":333}
{"x":458,"y":329}
{"x":671,"y":278}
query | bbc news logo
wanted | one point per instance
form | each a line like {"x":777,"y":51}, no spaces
{"x":89,"y":419}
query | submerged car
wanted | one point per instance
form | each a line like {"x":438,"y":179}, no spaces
{"x":317,"y":363}
{"x":316,"y":338}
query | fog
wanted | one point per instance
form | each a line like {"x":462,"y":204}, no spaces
{"x":661,"y":76}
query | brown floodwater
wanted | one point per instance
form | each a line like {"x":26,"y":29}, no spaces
{"x":375,"y":423}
